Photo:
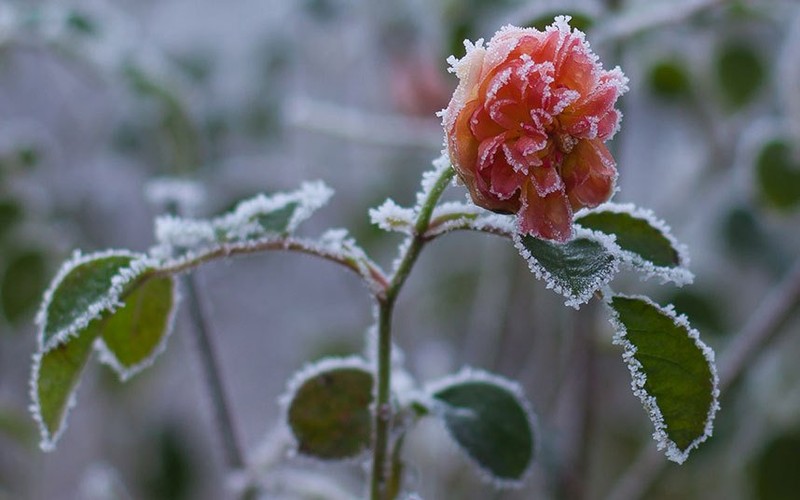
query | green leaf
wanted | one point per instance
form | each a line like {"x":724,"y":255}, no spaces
{"x":137,"y":332}
{"x":645,"y":241}
{"x":24,"y":280}
{"x":740,"y":72}
{"x":775,"y":471}
{"x":278,"y":220}
{"x":778,"y":176}
{"x":85,"y":287}
{"x":10,"y":216}
{"x":329,"y":409}
{"x":669,"y":79}
{"x":54,"y":380}
{"x":576,"y":269}
{"x":673,"y":372}
{"x":487,"y":417}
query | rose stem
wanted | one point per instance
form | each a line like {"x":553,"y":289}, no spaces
{"x":383,"y":408}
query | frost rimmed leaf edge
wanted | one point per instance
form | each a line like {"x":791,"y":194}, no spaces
{"x":607,"y":242}
{"x":639,"y":378}
{"x":300,"y":377}
{"x":679,"y":275}
{"x":242,"y":222}
{"x":108,"y":358}
{"x":468,"y":374}
{"x":109,"y":303}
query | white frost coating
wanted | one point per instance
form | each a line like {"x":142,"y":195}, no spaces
{"x":107,"y":357}
{"x":392,"y":217}
{"x":47,"y":442}
{"x":680,"y":275}
{"x":467,"y":375}
{"x":430,"y":177}
{"x":101,"y":481}
{"x":242,"y":223}
{"x":108,"y":303}
{"x":309,"y":371}
{"x":185,"y":195}
{"x":639,"y":377}
{"x":554,"y":283}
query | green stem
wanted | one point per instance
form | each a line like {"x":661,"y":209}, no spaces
{"x":383,"y":407}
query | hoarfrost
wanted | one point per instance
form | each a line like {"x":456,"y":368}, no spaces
{"x":429,"y":178}
{"x":48,"y":441}
{"x":599,"y":280}
{"x":107,"y":357}
{"x":307,"y":372}
{"x":639,"y":378}
{"x":184,"y":195}
{"x":392,"y":217}
{"x":679,"y":275}
{"x":109,"y":302}
{"x":470,"y":375}
{"x":179,"y":234}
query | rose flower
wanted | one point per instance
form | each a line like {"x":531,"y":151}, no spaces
{"x":526,"y":126}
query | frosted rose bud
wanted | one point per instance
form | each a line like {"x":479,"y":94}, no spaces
{"x":527,"y":124}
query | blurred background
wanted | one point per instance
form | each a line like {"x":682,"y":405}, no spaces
{"x":98,"y":98}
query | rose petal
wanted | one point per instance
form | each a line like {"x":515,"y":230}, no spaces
{"x":589,"y":173}
{"x":547,"y":217}
{"x":546,"y":180}
{"x":482,"y":126}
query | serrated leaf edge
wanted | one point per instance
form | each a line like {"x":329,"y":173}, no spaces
{"x":108,"y":358}
{"x":300,"y":377}
{"x":469,"y":375}
{"x":139,"y":263}
{"x":551,"y":282}
{"x":639,"y":378}
{"x":679,"y":275}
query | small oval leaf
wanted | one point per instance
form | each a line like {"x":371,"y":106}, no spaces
{"x":778,"y":176}
{"x":488,"y":417}
{"x":54,"y":381}
{"x":575,"y":269}
{"x":84,"y":288}
{"x":740,"y":72}
{"x":328,"y":409}
{"x":673,"y":372}
{"x":23,"y":282}
{"x":646,"y":241}
{"x":137,"y":332}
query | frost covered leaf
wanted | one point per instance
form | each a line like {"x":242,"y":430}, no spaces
{"x":137,"y":332}
{"x":645,"y":241}
{"x":488,"y":417}
{"x":576,"y":269}
{"x":392,"y":217}
{"x":258,"y":217}
{"x":86,"y":287}
{"x":328,"y":409}
{"x":55,"y":378}
{"x":778,"y":177}
{"x":673,"y":372}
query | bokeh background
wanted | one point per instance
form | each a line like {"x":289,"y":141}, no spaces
{"x":99,"y":98}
